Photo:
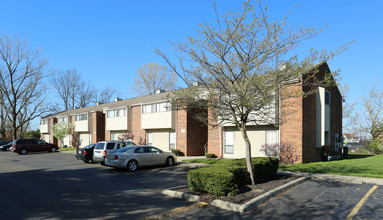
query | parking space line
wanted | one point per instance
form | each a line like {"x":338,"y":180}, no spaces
{"x":360,"y":203}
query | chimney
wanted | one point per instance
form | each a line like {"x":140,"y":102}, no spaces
{"x":117,"y":99}
{"x":98,"y":103}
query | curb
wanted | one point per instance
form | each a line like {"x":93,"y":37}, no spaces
{"x":236,"y":207}
{"x":257,"y":200}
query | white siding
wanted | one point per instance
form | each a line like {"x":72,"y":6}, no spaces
{"x":44,"y":128}
{"x":257,"y":139}
{"x":84,"y":139}
{"x":67,"y":141}
{"x":157,"y":120}
{"x":117,"y":123}
{"x":81,"y":126}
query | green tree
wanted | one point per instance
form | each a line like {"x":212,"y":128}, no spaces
{"x":61,"y":130}
{"x":239,"y":66}
{"x":33,"y":134}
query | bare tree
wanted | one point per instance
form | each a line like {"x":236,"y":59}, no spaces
{"x":152,"y":77}
{"x":21,"y":75}
{"x":85,"y":94}
{"x":371,"y":118}
{"x":67,"y":85}
{"x":105,"y":95}
{"x":240,"y":66}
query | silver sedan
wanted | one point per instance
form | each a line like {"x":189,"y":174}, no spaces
{"x":133,"y":157}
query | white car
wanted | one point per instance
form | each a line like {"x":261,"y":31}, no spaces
{"x":104,"y":147}
{"x":138,"y":156}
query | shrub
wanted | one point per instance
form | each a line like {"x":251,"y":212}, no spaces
{"x":214,"y":180}
{"x":65,"y":146}
{"x":284,"y":152}
{"x":210,"y":155}
{"x":176,"y":152}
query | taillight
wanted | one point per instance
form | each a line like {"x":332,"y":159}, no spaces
{"x":104,"y":152}
{"x":84,"y":152}
{"x":115,"y":157}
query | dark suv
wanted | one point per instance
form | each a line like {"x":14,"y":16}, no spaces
{"x":23,"y":146}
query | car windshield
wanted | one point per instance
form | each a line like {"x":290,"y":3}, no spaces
{"x":123,"y":150}
{"x":99,"y":146}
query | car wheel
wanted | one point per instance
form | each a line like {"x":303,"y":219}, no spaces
{"x":102,"y":163}
{"x":132,"y":165}
{"x":23,"y":151}
{"x":170,"y":161}
{"x":86,"y":160}
{"x":53,"y":149}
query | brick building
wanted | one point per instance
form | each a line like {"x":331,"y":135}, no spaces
{"x":312,"y":124}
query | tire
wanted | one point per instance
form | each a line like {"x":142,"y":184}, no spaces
{"x":86,"y":160}
{"x":23,"y":151}
{"x":53,"y":149}
{"x":102,"y":163}
{"x":132,"y":165}
{"x":170,"y":161}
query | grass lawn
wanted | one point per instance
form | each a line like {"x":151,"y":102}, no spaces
{"x":357,"y":165}
{"x":67,"y":149}
{"x":364,"y":165}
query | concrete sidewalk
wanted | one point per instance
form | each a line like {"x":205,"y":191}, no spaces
{"x":338,"y":178}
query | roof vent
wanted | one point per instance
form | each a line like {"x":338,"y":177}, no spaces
{"x":99,"y":103}
{"x":159,"y":91}
{"x":117,"y":99}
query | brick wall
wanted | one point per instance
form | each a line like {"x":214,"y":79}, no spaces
{"x":139,"y":134}
{"x":213,"y":138}
{"x":182,"y":131}
{"x":291,"y":118}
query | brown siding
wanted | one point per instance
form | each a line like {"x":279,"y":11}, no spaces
{"x":51,"y":122}
{"x":196,"y":136}
{"x":98,"y":127}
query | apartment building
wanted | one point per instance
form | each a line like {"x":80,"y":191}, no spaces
{"x":312,"y":124}
{"x":151,"y":119}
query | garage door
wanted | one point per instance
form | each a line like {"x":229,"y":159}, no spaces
{"x":84,"y":139}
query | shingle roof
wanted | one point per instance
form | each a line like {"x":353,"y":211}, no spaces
{"x":112,"y":105}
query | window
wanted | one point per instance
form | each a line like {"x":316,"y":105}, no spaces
{"x":172,"y":140}
{"x":116,"y":113}
{"x":153,"y":150}
{"x":229,"y":142}
{"x":111,"y":114}
{"x":110,"y":146}
{"x":326,"y":138}
{"x":121,"y":112}
{"x":81,"y":117}
{"x":62,"y":119}
{"x":157,"y":107}
{"x":120,"y":145}
{"x":140,"y":150}
{"x":43,"y":122}
{"x":327,"y":98}
{"x":149,"y":138}
{"x":271,"y":137}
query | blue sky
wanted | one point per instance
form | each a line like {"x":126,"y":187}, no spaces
{"x":108,"y":40}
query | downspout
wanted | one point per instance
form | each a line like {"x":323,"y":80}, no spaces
{"x":175,"y":125}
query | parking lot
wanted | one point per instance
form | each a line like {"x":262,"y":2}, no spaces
{"x":57,"y":186}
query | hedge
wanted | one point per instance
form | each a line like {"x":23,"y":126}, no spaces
{"x":214,"y":180}
{"x":223,"y":178}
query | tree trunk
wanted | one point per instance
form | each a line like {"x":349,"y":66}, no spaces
{"x":248,"y":153}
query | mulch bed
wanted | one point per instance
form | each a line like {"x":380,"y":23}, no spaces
{"x":246,"y":192}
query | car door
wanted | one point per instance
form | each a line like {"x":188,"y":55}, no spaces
{"x":34,"y":146}
{"x":156,"y":156}
{"x":143,"y":156}
{"x":41,"y":145}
